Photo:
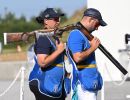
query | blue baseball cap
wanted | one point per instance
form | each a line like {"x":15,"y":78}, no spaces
{"x":91,"y":12}
{"x":47,"y":14}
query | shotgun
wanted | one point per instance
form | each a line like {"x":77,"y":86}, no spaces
{"x":102,"y":48}
{"x":24,"y":36}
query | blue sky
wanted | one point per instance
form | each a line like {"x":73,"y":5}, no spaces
{"x":31,"y":8}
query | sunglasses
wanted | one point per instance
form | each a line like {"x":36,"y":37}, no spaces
{"x":57,"y":19}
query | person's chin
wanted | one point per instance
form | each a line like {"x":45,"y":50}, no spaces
{"x":91,"y":30}
{"x":56,"y":26}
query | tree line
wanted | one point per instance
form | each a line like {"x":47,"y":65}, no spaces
{"x":10,"y":24}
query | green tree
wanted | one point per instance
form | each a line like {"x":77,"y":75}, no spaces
{"x":11,"y":24}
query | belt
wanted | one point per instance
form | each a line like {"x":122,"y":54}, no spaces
{"x":86,"y":66}
{"x":78,"y":66}
{"x":57,"y":65}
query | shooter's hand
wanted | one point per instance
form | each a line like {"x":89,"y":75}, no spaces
{"x":25,"y":36}
{"x":95,"y":43}
{"x":60,"y":46}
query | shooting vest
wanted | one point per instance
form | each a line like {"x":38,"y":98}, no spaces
{"x":50,"y":80}
{"x":86,"y":74}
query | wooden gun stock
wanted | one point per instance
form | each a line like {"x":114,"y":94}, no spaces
{"x":102,"y":48}
{"x":24,"y":36}
{"x":12,"y":37}
{"x":15,"y":37}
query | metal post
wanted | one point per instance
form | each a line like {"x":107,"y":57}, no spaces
{"x":103,"y":91}
{"x":128,"y":95}
{"x":5,"y":38}
{"x":0,"y":47}
{"x":22,"y":83}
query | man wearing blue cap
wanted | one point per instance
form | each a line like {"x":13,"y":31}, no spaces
{"x":88,"y":81}
{"x":46,"y":78}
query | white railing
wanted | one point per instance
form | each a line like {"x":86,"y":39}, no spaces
{"x":20,"y":72}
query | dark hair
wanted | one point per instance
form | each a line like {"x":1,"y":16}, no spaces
{"x":39,"y":20}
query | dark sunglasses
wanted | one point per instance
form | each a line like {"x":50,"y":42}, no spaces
{"x":57,"y":19}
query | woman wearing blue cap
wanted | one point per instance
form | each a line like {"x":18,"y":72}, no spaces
{"x":86,"y":79}
{"x":46,"y":78}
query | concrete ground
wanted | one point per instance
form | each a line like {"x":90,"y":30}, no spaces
{"x":9,"y":70}
{"x":112,"y":92}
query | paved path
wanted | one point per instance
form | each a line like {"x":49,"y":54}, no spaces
{"x":112,"y":92}
{"x":8,"y":71}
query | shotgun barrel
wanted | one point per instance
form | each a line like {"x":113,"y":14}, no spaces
{"x":103,"y":49}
